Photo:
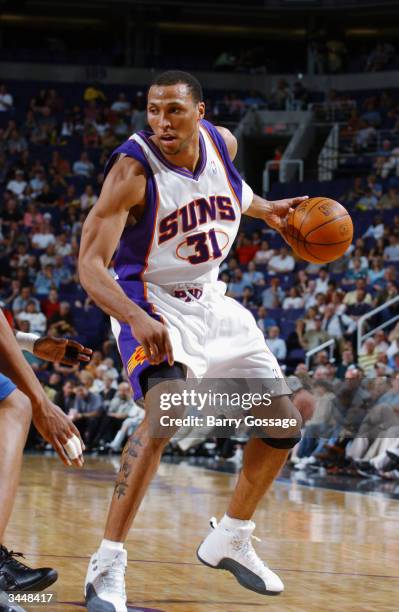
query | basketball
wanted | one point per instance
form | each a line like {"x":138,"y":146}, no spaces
{"x":320,"y":230}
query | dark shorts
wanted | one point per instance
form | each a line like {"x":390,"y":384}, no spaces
{"x":6,"y":387}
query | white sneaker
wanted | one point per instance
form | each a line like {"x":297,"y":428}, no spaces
{"x":105,"y":581}
{"x":232,"y":550}
{"x":304,"y":462}
{"x":237,"y":457}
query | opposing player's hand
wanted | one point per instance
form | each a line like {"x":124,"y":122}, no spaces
{"x":277,"y":213}
{"x":154,"y":338}
{"x":61,"y":350}
{"x":57,"y":429}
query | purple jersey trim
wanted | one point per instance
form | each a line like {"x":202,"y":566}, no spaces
{"x":233,"y":175}
{"x":145,"y":135}
{"x":136,"y":240}
{"x":131,"y":260}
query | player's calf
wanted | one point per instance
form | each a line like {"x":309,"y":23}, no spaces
{"x":282,"y":423}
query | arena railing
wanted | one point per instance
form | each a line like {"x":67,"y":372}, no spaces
{"x":282,"y":166}
{"x":374,"y":146}
{"x":330,"y":345}
{"x":361,"y":337}
{"x":332,"y":112}
{"x":329,"y":155}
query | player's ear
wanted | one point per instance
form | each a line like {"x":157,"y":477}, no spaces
{"x":201,"y":110}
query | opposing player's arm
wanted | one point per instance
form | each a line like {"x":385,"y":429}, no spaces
{"x":123,"y":188}
{"x":57,"y":350}
{"x":230,"y":140}
{"x":50,"y":421}
{"x":14,"y":365}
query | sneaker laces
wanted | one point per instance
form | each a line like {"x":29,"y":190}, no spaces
{"x":244,"y":545}
{"x":8,"y":556}
{"x":113,"y":576}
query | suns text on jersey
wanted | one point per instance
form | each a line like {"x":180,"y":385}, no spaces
{"x":195,"y":213}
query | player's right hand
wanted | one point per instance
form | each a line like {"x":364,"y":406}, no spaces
{"x":154,"y":338}
{"x":56,"y":428}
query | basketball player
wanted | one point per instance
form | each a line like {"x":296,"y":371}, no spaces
{"x":21,"y":399}
{"x":173,"y":200}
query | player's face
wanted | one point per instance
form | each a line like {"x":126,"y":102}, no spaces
{"x":174,"y":117}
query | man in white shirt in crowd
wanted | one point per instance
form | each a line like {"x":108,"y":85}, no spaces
{"x":6,"y":99}
{"x":391,"y":252}
{"x":62,"y":246}
{"x":322,"y":281}
{"x":21,"y":301}
{"x":337,"y":325}
{"x":376,"y":229}
{"x":88,"y":198}
{"x":83,"y":166}
{"x":44,"y":237}
{"x":18,"y":184}
{"x":37,"y":320}
{"x":351,"y":297}
{"x":273,"y":296}
{"x":121,"y":105}
{"x":275,"y":343}
{"x":120,"y":408}
{"x":264,"y":254}
{"x":37,"y":183}
{"x":281,"y":263}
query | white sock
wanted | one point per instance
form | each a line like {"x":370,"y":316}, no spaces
{"x":109,"y":545}
{"x":232,"y":523}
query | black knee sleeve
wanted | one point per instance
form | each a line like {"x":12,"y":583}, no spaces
{"x":153,"y":374}
{"x":283,"y":443}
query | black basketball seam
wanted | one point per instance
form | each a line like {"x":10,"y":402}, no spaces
{"x":326,"y":243}
{"x":311,"y":254}
{"x":307,"y":243}
{"x":326,"y":223}
{"x":293,"y":217}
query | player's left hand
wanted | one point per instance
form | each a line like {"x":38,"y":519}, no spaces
{"x":58,"y":430}
{"x":61,"y":350}
{"x":276,"y":217}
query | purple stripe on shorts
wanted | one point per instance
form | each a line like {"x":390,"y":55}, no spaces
{"x":232,"y":172}
{"x":131,"y":352}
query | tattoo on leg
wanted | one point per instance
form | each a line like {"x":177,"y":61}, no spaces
{"x":126,"y":467}
{"x":131,"y":446}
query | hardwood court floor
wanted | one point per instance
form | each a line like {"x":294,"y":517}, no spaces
{"x":334,"y":550}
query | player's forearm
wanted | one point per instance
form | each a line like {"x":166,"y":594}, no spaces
{"x":14,"y":365}
{"x":259,"y":208}
{"x":106,"y":292}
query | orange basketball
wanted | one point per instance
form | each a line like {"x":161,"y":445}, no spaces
{"x":319,"y":230}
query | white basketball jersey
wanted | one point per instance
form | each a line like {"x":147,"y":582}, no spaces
{"x":191,"y":218}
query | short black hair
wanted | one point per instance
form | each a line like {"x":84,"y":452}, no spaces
{"x":173,"y":77}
